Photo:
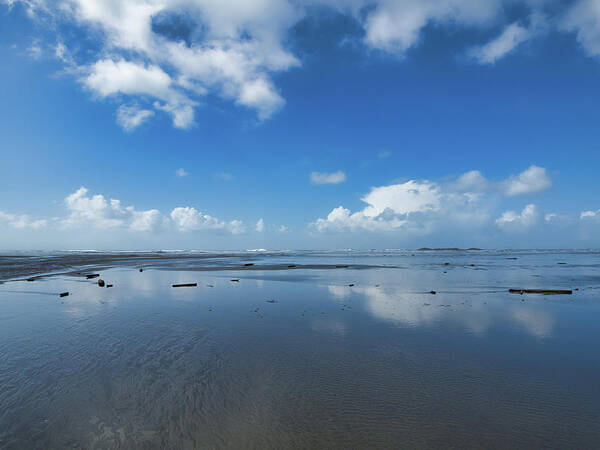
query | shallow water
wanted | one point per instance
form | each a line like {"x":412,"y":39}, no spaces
{"x":380,"y":364}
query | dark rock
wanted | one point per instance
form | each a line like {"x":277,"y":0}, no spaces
{"x":109,"y":285}
{"x":350,"y":285}
{"x":432,"y":292}
{"x":291,"y":266}
{"x":235,"y":280}
{"x":63,"y":294}
{"x":101,"y":282}
{"x":248,"y":264}
{"x":141,"y":270}
{"x":93,"y":275}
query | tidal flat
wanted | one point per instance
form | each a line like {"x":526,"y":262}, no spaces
{"x":305,"y":350}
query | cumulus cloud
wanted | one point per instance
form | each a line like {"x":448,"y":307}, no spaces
{"x":22,"y":221}
{"x":511,"y":220}
{"x":534,"y":179}
{"x":189,"y":219}
{"x":98,"y":212}
{"x":260,"y":225}
{"x":327,"y":178}
{"x":421,"y":207}
{"x":413,"y":206}
{"x":169,"y":54}
{"x":472,"y":181}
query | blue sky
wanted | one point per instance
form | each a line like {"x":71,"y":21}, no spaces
{"x":339,"y":123}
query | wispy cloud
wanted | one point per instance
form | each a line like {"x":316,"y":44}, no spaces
{"x":181,"y":173}
{"x":225,"y":176}
{"x":327,"y":178}
{"x":131,"y":117}
{"x":22,"y":221}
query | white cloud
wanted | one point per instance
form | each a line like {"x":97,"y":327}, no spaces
{"x":396,"y":26}
{"x":584,"y":20}
{"x":108,"y":77}
{"x":534,"y":179}
{"x":283,"y":229}
{"x":402,"y":198}
{"x":327,"y":178}
{"x":34,"y":50}
{"x":22,"y":221}
{"x":97,"y":212}
{"x":260,"y":225}
{"x":181,"y":173}
{"x":414,"y":207}
{"x":182,"y":114}
{"x":472,"y":181}
{"x":189,"y":219}
{"x":514,"y":221}
{"x":421,"y":207}
{"x":131,"y":117}
{"x":172,"y":53}
{"x":590,"y":214}
{"x":147,"y":220}
{"x":513,"y":35}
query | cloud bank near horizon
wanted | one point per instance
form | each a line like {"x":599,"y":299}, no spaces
{"x":469,"y":204}
{"x":170,"y":56}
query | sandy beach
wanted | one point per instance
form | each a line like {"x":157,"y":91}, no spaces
{"x":303,"y":356}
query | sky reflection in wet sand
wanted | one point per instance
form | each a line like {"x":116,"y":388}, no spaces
{"x":381,"y":363}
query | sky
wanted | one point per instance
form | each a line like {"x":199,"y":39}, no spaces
{"x":299,"y":124}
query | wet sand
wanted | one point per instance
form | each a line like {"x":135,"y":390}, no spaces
{"x":305,"y":357}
